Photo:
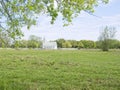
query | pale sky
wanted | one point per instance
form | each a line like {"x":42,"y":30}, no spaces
{"x":85,"y":26}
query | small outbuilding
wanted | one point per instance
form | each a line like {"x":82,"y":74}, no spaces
{"x":49,"y":45}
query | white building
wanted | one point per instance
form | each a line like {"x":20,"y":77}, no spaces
{"x":49,"y":45}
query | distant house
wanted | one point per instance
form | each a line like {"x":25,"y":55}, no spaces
{"x":49,"y":45}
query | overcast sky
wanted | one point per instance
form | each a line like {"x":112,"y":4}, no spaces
{"x":85,"y":26}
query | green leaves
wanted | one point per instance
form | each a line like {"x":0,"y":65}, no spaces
{"x":18,"y":13}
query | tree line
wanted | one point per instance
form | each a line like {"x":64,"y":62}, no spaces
{"x":87,"y":44}
{"x":105,"y":42}
{"x":36,"y":42}
{"x":32,"y":42}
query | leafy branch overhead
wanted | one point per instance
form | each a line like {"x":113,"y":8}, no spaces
{"x":14,"y":14}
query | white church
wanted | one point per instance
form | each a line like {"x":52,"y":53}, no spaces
{"x":49,"y":44}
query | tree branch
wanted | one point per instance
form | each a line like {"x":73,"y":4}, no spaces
{"x":6,"y":10}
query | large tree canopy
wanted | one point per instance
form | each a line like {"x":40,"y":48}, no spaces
{"x":14,"y":14}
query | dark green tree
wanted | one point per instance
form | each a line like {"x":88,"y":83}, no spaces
{"x":80,"y":45}
{"x":66,"y":44}
{"x":107,"y":34}
{"x":23,"y":43}
{"x":114,"y":44}
{"x":60,"y":42}
{"x":34,"y":42}
{"x":88,"y":43}
{"x":5,"y":41}
{"x":74,"y":43}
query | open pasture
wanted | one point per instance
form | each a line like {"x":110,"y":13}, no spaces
{"x":59,"y":70}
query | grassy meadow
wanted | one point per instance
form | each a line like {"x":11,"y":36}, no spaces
{"x":59,"y":70}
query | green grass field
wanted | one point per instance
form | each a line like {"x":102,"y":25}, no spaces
{"x":59,"y":70}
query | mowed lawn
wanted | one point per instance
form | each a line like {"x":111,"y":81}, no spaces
{"x":59,"y":70}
